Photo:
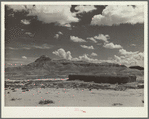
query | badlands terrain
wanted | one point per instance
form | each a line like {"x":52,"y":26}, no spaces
{"x":46,"y":82}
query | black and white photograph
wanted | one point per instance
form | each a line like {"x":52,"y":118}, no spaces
{"x":58,"y":55}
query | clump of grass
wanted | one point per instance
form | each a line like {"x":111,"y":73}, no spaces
{"x":13,"y":99}
{"x":117,"y":104}
{"x":42,"y":86}
{"x":46,"y":102}
{"x":23,"y":88}
{"x":14,"y":91}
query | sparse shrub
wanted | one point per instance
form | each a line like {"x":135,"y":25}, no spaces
{"x":13,"y":99}
{"x":23,"y":88}
{"x":14,"y":91}
{"x":42,"y":86}
{"x":117,"y":104}
{"x":46,"y":102}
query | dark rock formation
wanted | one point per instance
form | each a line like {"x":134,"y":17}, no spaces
{"x":136,"y":67}
{"x":103,"y":78}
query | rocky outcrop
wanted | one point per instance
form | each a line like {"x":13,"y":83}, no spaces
{"x":136,"y":67}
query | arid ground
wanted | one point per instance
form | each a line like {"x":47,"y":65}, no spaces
{"x":57,"y":92}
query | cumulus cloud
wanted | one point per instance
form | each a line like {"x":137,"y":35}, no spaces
{"x":76,"y":39}
{"x":87,"y":47}
{"x":133,"y":45}
{"x":124,"y":52}
{"x":49,"y":13}
{"x":63,"y":54}
{"x":58,"y":34}
{"x":130,"y":58}
{"x":86,"y":8}
{"x":93,"y":54}
{"x":24,"y":21}
{"x":24,"y":57}
{"x":102,"y":37}
{"x":30,"y":34}
{"x":86,"y":58}
{"x":117,"y":14}
{"x":92,"y":39}
{"x":67,"y":55}
{"x":112,"y":46}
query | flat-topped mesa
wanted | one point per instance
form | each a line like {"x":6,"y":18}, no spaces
{"x":136,"y":67}
{"x":104,"y":78}
{"x":43,"y":58}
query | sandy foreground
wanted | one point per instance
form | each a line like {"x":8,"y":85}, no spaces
{"x":73,"y":93}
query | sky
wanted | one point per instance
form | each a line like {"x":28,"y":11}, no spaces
{"x":92,"y":33}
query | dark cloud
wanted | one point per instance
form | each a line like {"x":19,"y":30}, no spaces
{"x":86,"y":17}
{"x":72,"y":9}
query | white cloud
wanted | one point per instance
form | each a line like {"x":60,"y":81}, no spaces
{"x":87,"y":47}
{"x":30,"y":34}
{"x":28,"y":47}
{"x":92,"y":39}
{"x":24,"y":21}
{"x":17,"y":7}
{"x":119,"y":14}
{"x":58,"y":34}
{"x":86,"y":58}
{"x":87,"y":8}
{"x":124,"y":52}
{"x":11,"y":48}
{"x":112,"y":46}
{"x":76,"y":39}
{"x":61,"y":53}
{"x":43,"y":46}
{"x":93,"y":54}
{"x":102,"y":37}
{"x":133,"y":45}
{"x":130,"y":58}
{"x":67,"y":55}
{"x":24,"y":57}
{"x":49,"y":13}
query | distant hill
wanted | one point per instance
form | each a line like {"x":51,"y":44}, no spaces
{"x":46,"y":67}
{"x":136,"y":67}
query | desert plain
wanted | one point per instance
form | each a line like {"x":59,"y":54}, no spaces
{"x":63,"y":93}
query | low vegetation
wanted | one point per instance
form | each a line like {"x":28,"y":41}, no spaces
{"x":46,"y":102}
